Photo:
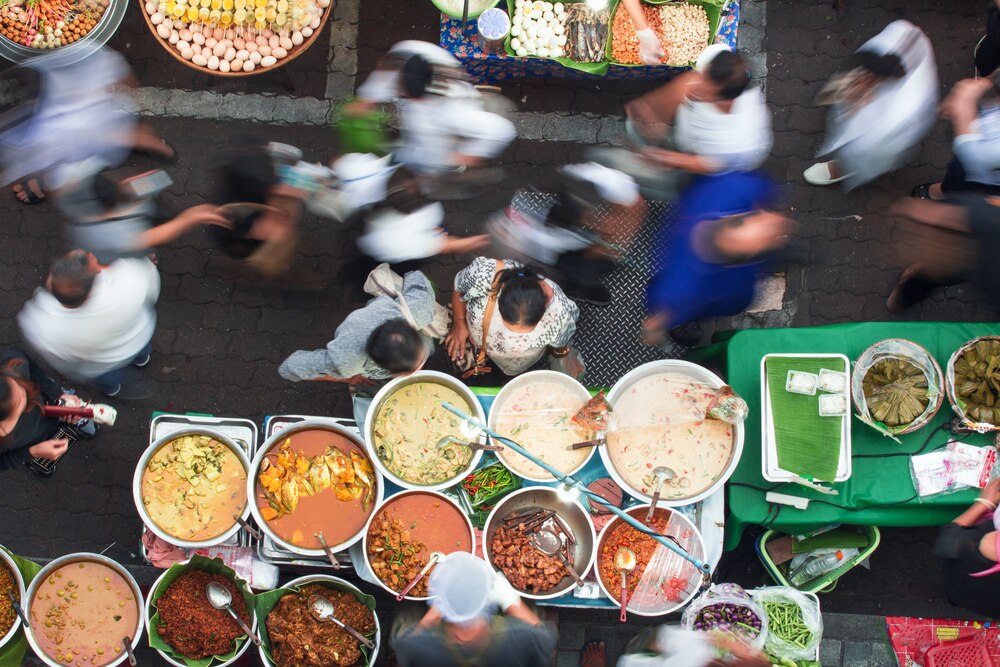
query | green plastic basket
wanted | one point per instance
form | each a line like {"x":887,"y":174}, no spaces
{"x":828,"y":581}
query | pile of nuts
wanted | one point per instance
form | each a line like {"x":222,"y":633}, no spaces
{"x":682,"y":28}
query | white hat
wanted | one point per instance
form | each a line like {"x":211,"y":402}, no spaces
{"x":460,"y":587}
{"x":708,"y":55}
{"x":611,"y":185}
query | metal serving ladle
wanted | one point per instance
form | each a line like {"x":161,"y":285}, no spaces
{"x":448,"y":439}
{"x":330,"y":556}
{"x":220,"y":598}
{"x":323,"y":610}
{"x":550,"y":544}
{"x":662,"y":474}
{"x":624,"y":563}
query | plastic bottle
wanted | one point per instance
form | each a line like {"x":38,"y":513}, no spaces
{"x":820,"y":565}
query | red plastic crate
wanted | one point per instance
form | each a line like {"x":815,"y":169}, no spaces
{"x":959,"y":653}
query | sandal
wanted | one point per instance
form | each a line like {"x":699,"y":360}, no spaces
{"x":923,"y":192}
{"x":26,"y":194}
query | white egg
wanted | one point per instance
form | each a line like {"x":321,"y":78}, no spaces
{"x":556,"y":52}
{"x":558,"y":29}
{"x":316,"y":23}
{"x":196,"y":28}
{"x":558,"y":9}
{"x":156,"y":19}
{"x":224,"y":66}
{"x":239,"y":43}
{"x":182,"y":45}
{"x":229,"y":54}
{"x":286,"y":43}
{"x":163,"y":31}
{"x":553,"y":42}
{"x":517,"y":19}
{"x":243,"y":54}
{"x":515,"y":31}
{"x":518,"y":4}
{"x":268,"y":61}
{"x":529,"y":14}
{"x":213,"y":62}
{"x":248,"y":66}
{"x":307,"y":32}
{"x":267,"y":33}
{"x":530,"y":45}
{"x":561,"y":40}
{"x":210,"y":42}
{"x":531,"y":32}
{"x":265,"y":50}
{"x":187,"y":54}
{"x":185,"y":35}
{"x":542,"y":52}
{"x":279,"y":53}
{"x":199,"y":60}
{"x":251,"y":46}
{"x":545,"y":33}
{"x":297,"y":38}
{"x":219,"y":33}
{"x":151,"y":7}
{"x":548,"y":16}
{"x":198,"y":39}
{"x":546,"y":6}
{"x":515,"y":43}
{"x":522,"y":52}
{"x":255,"y":57}
{"x":219,"y":49}
{"x":274,"y":41}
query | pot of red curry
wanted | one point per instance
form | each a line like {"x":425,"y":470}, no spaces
{"x":80,"y":608}
{"x":11,"y":581}
{"x":671,"y":581}
{"x":313,"y":476}
{"x":405,"y":530}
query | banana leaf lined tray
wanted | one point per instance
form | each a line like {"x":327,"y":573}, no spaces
{"x":796,"y":440}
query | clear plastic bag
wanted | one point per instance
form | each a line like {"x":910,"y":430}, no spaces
{"x":812,"y":620}
{"x":909,"y":352}
{"x":722,"y":608}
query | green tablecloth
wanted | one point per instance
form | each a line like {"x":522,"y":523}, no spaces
{"x":880,"y":489}
{"x":12,"y":655}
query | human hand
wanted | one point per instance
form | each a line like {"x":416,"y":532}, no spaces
{"x":503,"y":594}
{"x":992,"y":492}
{"x":457,"y":340}
{"x":204,"y":214}
{"x":72,"y":401}
{"x":650,"y":49}
{"x":960,"y":104}
{"x":49,"y":449}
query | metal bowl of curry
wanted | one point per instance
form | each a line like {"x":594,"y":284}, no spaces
{"x":81,"y":609}
{"x":309,"y":478}
{"x":11,"y":581}
{"x":405,"y":530}
{"x":407,"y":420}
{"x":190,"y":486}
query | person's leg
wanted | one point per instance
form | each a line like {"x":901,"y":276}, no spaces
{"x":987,"y":56}
{"x":594,"y":654}
{"x":145,"y":354}
{"x":146,"y":140}
{"x":109,"y":383}
{"x":910,"y":289}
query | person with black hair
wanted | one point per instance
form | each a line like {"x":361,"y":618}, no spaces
{"x":524,"y":315}
{"x":987,"y":51}
{"x":883,"y":102}
{"x":90,"y":321}
{"x":709,"y":120}
{"x":374,"y":343}
{"x":25,"y":431}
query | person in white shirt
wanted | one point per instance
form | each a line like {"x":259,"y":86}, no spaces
{"x":90,"y":322}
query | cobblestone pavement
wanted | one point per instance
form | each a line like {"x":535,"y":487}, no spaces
{"x":220,"y":339}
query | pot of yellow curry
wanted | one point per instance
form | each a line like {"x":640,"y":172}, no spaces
{"x":313,"y":477}
{"x":406,"y":422}
{"x":190,"y":487}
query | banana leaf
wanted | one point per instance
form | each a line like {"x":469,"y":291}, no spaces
{"x":212,"y":566}
{"x":808,"y":444}
{"x":14,"y":651}
{"x":265,"y":602}
{"x":597,"y":69}
{"x":713,"y":9}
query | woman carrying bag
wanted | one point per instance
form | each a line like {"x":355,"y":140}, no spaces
{"x":513,"y":316}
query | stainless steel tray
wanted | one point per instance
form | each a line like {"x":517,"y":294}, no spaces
{"x":267,"y":550}
{"x":243,"y":431}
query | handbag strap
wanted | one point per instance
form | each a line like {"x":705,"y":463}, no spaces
{"x":390,"y":291}
{"x":491,"y":303}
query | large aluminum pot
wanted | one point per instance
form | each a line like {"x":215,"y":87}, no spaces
{"x":507,"y":457}
{"x":8,"y":562}
{"x":325,"y":579}
{"x":475,"y":409}
{"x":650,"y":604}
{"x":697,"y":374}
{"x":568,"y":509}
{"x":378,"y":510}
{"x":141,"y":467}
{"x":308,"y":424}
{"x":81,"y":557}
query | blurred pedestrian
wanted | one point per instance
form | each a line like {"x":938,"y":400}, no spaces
{"x":70,"y":110}
{"x":91,"y":322}
{"x":706,"y":121}
{"x":406,"y":227}
{"x":720,"y":245}
{"x":446,"y":124}
{"x":25,"y":432}
{"x":513,"y":316}
{"x":969,"y":549}
{"x":475,"y":618}
{"x":973,"y":108}
{"x":114,"y":217}
{"x":947,"y":243}
{"x":374,"y":343}
{"x":987,"y":52}
{"x":883,"y":101}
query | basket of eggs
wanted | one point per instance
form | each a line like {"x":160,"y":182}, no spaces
{"x":236,"y":37}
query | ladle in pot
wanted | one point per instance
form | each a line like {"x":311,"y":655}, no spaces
{"x":17,"y":608}
{"x":550,"y":544}
{"x":624,"y":563}
{"x":127,"y":643}
{"x":330,"y":556}
{"x":448,"y":439}
{"x":662,"y":474}
{"x":219,"y":597}
{"x":323,"y":610}
{"x":433,"y":558}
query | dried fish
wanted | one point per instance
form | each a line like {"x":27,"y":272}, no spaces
{"x":587,"y":32}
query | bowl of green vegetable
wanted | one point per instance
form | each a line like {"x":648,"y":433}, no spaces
{"x":484,"y":487}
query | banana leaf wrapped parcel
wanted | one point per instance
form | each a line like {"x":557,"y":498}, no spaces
{"x":896,"y":386}
{"x":973,"y":383}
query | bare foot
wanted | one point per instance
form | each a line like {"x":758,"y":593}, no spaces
{"x":29,"y":191}
{"x":594,"y":654}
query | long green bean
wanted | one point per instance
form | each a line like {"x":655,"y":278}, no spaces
{"x":785,"y":621}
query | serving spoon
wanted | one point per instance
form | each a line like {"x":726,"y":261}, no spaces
{"x":549,"y":544}
{"x":17,"y":608}
{"x":433,"y":558}
{"x":448,"y":439}
{"x":254,"y":533}
{"x":323,"y":610}
{"x":329,"y":552}
{"x":220,"y":598}
{"x":127,"y":643}
{"x":662,"y":474}
{"x":624,"y":563}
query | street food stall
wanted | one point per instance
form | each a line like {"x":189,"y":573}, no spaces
{"x":582,"y":39}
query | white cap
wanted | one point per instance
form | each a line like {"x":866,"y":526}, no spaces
{"x":708,"y":55}
{"x":612,"y":185}
{"x":460,"y":587}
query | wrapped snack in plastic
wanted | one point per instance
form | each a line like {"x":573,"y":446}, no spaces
{"x":728,"y":406}
{"x":896,"y":386}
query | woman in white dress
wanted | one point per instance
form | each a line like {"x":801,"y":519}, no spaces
{"x":883,"y":101}
{"x":529,"y":315}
